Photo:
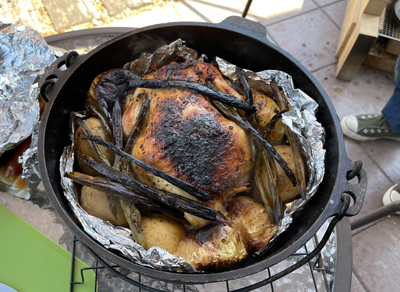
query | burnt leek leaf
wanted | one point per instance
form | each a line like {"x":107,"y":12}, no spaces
{"x":100,"y":156}
{"x":202,"y":89}
{"x":104,"y":123}
{"x":117,"y":132}
{"x":231,"y":114}
{"x":293,"y":141}
{"x":119,"y":191}
{"x":113,"y":84}
{"x":271,"y":125}
{"x":244,"y":81}
{"x":266,"y":181}
{"x":130,"y":143}
{"x":172,"y":200}
{"x":134,"y":218}
{"x":191,"y":190}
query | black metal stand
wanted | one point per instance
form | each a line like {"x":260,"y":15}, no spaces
{"x":376,"y":215}
{"x":246,"y":9}
{"x":306,"y":259}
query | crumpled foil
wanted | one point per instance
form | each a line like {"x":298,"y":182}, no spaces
{"x":300,"y":118}
{"x":24,"y":55}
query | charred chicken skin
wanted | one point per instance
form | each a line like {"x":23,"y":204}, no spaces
{"x":185,"y":136}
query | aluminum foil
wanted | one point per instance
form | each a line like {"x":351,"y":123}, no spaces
{"x":24,"y":55}
{"x":300,"y":118}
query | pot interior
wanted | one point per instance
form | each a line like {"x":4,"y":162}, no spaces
{"x":254,"y":53}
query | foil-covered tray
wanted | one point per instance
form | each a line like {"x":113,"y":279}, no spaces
{"x":24,"y":55}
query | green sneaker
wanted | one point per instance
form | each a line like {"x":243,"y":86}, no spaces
{"x":367,"y":128}
{"x":392,"y":195}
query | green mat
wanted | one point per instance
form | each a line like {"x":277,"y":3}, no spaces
{"x":30,"y":261}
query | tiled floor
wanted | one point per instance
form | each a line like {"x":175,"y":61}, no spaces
{"x":309,"y":30}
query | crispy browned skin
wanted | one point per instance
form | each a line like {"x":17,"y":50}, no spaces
{"x":185,"y":136}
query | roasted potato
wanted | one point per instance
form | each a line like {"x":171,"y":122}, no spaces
{"x":266,"y":110}
{"x":101,"y":205}
{"x":84,"y":147}
{"x":162,"y":231}
{"x":286,"y":190}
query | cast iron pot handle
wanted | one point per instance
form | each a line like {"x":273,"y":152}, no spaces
{"x":51,"y":73}
{"x":252,"y":27}
{"x":356,"y":191}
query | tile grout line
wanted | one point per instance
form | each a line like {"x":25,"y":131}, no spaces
{"x":300,"y":14}
{"x":373,"y":160}
{"x":330,"y":19}
{"x":291,"y":17}
{"x":323,"y":67}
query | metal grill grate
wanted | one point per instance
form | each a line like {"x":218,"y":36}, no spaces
{"x":388,"y":27}
{"x":316,"y":275}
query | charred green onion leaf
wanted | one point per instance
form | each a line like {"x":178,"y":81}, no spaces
{"x":172,"y":200}
{"x":134,"y":219}
{"x":267,"y":185}
{"x":116,"y":190}
{"x":117,"y":132}
{"x":103,"y":121}
{"x":202,"y":89}
{"x":95,"y":147}
{"x":294,"y":144}
{"x":130,"y":143}
{"x":244,"y":81}
{"x":234,"y":116}
{"x":271,"y":125}
{"x":195,"y":192}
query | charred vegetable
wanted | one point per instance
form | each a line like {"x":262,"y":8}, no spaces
{"x":183,"y":84}
{"x":170,"y":199}
{"x":215,"y":246}
{"x":244,"y":81}
{"x":120,"y":191}
{"x":195,"y":192}
{"x":232,"y":114}
{"x":294,"y":143}
{"x":134,"y":219}
{"x":92,"y":126}
{"x":253,"y":222}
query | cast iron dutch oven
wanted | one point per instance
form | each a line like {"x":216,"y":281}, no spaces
{"x":241,"y":42}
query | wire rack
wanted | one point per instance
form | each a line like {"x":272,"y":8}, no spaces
{"x":388,"y":27}
{"x":315,"y":275}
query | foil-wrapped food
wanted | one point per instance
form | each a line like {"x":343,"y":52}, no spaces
{"x":193,"y":161}
{"x":24,"y":55}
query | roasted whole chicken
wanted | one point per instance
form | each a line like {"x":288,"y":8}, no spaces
{"x":195,"y":148}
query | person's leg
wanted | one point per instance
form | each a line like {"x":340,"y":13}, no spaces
{"x":391,"y":111}
{"x":372,"y":126}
